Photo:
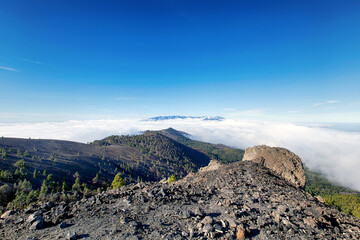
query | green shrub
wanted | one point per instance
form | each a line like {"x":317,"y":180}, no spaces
{"x":172,"y":178}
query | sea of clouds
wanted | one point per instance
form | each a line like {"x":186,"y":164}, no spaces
{"x":335,"y":153}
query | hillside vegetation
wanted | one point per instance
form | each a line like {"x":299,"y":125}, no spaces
{"x":218,"y":152}
{"x":345,"y":199}
{"x":33,"y":169}
{"x":164,"y":149}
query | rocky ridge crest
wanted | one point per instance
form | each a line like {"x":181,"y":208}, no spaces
{"x":235,"y":201}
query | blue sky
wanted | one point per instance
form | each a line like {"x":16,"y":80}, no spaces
{"x":293,"y":61}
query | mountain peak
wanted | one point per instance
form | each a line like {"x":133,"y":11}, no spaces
{"x":177,"y":117}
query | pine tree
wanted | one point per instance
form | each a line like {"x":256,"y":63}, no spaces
{"x":77,"y":185}
{"x":43,"y":190}
{"x":76,"y":175}
{"x":118,"y":182}
{"x":65,"y":187}
{"x":96,"y":178}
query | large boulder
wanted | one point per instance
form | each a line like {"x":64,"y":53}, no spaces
{"x":281,"y":161}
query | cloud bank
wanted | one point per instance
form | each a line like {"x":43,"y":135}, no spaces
{"x":336,"y":153}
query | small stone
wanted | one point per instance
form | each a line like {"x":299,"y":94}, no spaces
{"x":282,"y":209}
{"x":37,"y":224}
{"x":71,"y":236}
{"x":133,"y":237}
{"x":133,"y":224}
{"x":155,"y":235}
{"x":185,"y":214}
{"x":286,"y":222}
{"x":256,"y":195}
{"x":20,"y":220}
{"x":227,"y":203}
{"x":32,"y":218}
{"x":240,"y":233}
{"x":191,"y":232}
{"x":29,"y":209}
{"x":123,"y":220}
{"x":231,"y":222}
{"x":218,"y":228}
{"x":44,"y":205}
{"x":207,"y":220}
{"x":162,"y":193}
{"x":320,"y":199}
{"x":8,"y":213}
{"x":198,"y":212}
{"x":211,"y":235}
{"x":63,"y":225}
{"x":260,"y":221}
{"x":224,"y":223}
{"x":310,"y":222}
{"x":208,"y":228}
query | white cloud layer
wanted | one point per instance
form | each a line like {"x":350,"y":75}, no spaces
{"x":333,"y":152}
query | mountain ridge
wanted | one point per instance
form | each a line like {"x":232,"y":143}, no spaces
{"x":235,"y":201}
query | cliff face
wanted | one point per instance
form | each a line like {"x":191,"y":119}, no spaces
{"x":235,"y":201}
{"x":281,"y":161}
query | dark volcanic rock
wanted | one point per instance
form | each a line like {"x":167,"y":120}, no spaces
{"x":283,"y":162}
{"x":236,"y":201}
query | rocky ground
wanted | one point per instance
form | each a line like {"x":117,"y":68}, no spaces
{"x":235,"y":201}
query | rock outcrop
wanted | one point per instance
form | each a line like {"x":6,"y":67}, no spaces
{"x":243,"y":200}
{"x":213,"y":165}
{"x":281,"y":161}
